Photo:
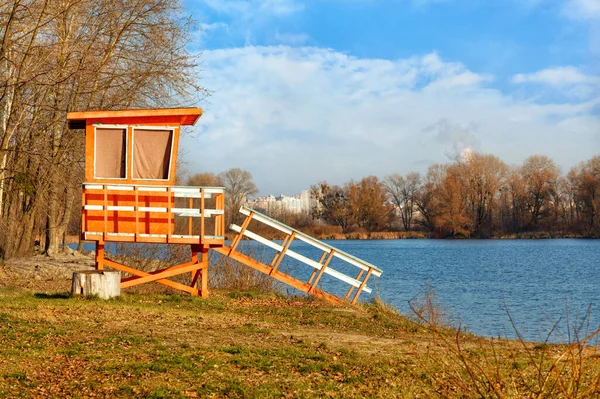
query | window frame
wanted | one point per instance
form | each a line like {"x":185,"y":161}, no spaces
{"x":110,"y":126}
{"x":145,"y":127}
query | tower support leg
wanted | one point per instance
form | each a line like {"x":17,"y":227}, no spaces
{"x":200,"y":256}
{"x":99,"y":257}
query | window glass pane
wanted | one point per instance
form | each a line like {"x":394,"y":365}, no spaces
{"x":110,"y":153}
{"x":151,"y":153}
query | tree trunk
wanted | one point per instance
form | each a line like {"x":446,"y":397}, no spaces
{"x":104,"y":284}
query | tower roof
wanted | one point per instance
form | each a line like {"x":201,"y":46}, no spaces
{"x":182,"y":116}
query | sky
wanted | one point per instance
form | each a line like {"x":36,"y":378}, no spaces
{"x":305,"y":91}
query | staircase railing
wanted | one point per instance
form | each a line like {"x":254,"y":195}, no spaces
{"x":320,"y":267}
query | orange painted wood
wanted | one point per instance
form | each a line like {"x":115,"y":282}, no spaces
{"x":133,"y":221}
{"x":202,"y":208}
{"x":159,"y":275}
{"x":352,"y":287}
{"x":140,"y":273}
{"x":362,"y":285}
{"x":195,"y":273}
{"x":314,"y":273}
{"x":99,"y":257}
{"x":83,"y":214}
{"x":323,"y":267}
{"x":155,"y":272}
{"x":89,"y":152}
{"x":283,"y":251}
{"x":278,"y":253}
{"x":238,"y":237}
{"x":183,"y":116}
{"x":137,"y":214}
{"x":190,"y":205}
{"x":204,"y":274}
{"x":105,"y":212}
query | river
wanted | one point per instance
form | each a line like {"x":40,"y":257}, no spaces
{"x":540,"y":283}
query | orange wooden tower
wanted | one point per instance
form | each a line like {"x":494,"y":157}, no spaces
{"x":129,"y":193}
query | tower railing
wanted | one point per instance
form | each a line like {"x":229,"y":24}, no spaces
{"x":153,"y":214}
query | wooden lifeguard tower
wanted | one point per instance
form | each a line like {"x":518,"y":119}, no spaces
{"x":129,"y":195}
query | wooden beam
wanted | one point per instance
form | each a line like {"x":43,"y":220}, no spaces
{"x":352,"y":287}
{"x":314,"y":284}
{"x":286,"y":246}
{"x":99,"y":257}
{"x":315,"y":271}
{"x":362,"y":285}
{"x":187,"y":116}
{"x":238,"y":238}
{"x":159,"y":274}
{"x":202,"y":208}
{"x":204,"y":273}
{"x":140,"y":273}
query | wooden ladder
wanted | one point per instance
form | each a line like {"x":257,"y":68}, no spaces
{"x":319,"y":267}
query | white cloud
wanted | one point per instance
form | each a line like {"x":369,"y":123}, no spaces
{"x":295,"y":116}
{"x":583,"y":9}
{"x":568,"y":79}
{"x":558,"y":76}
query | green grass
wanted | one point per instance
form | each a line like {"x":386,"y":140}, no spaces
{"x":251,"y":345}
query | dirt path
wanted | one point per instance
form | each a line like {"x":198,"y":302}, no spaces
{"x":45,"y":272}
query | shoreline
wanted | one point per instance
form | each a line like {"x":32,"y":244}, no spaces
{"x":402,"y":235}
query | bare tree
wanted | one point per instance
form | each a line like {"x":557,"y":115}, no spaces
{"x":403,"y":193}
{"x":206,"y":179}
{"x":368,"y":201}
{"x":484,"y":175}
{"x":238,"y":187}
{"x":515,"y":201}
{"x":586,"y":181}
{"x":332,"y":205}
{"x":540,"y":175}
{"x":69,"y":55}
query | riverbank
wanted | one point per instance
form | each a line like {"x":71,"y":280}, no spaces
{"x":399,"y":235}
{"x":156,"y":343}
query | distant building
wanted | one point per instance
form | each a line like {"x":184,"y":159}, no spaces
{"x":297,"y":203}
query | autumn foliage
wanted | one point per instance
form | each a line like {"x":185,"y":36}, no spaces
{"x":476,"y":196}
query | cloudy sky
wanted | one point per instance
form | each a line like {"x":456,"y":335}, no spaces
{"x":332,"y":90}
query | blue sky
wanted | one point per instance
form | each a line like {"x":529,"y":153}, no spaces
{"x":307,"y":90}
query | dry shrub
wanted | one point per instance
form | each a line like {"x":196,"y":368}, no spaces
{"x":466,"y":366}
{"x":147,"y":257}
{"x":323,"y":231}
{"x":428,"y":310}
{"x":228,"y":274}
{"x":151,"y":257}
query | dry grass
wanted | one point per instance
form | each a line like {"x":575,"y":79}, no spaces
{"x":480,"y":367}
{"x":245,"y":342}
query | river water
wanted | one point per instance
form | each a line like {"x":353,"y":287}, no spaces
{"x":539,"y":283}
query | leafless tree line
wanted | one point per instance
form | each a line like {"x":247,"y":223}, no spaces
{"x":476,"y":196}
{"x":238,"y":186}
{"x":58,"y":56}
